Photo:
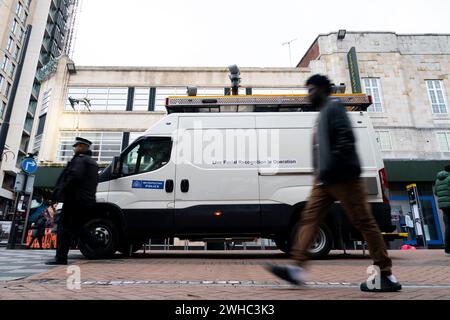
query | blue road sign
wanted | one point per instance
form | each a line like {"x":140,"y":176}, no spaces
{"x":29,"y":165}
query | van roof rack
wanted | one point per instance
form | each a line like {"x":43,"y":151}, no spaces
{"x":259,"y":103}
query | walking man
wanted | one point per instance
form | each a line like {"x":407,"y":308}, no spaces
{"x":442,"y":191}
{"x":336,"y":178}
{"x":76,"y":188}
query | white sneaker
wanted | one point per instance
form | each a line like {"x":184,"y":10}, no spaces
{"x":293,"y":274}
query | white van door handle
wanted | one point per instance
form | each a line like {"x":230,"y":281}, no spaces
{"x":184,"y":185}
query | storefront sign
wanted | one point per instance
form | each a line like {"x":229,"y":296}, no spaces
{"x":354,"y":71}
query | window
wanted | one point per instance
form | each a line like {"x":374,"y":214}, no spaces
{"x":19,"y":9}
{"x":20,"y":35}
{"x":5,"y":63}
{"x":45,"y":101}
{"x":148,"y":155}
{"x":209,"y":91}
{"x":373,"y":88}
{"x":101,"y":99}
{"x":16,"y":53}
{"x":39,"y":133}
{"x":41,"y":125}
{"x":12,"y":69}
{"x":1,"y":83}
{"x":37,"y":143}
{"x":141,"y":99}
{"x":14,"y":26}
{"x":133,"y":136}
{"x":384,"y":140}
{"x":436,"y":95}
{"x":444,"y":141}
{"x":2,"y":108}
{"x":105,"y":145}
{"x":164,"y":92}
{"x":10,"y":44}
{"x":8,"y":88}
{"x":24,"y":17}
{"x":276,"y":91}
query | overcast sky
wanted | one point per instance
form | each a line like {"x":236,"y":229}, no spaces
{"x":249,"y":33}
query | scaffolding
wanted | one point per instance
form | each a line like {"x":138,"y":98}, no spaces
{"x":72,"y":26}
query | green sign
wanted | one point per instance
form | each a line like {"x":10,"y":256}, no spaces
{"x":354,"y":71}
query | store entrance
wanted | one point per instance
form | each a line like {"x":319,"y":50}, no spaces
{"x":401,"y":212}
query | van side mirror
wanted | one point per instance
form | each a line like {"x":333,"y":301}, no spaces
{"x":116,"y":167}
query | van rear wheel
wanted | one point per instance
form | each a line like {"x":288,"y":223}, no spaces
{"x":322,"y":244}
{"x":320,"y":247}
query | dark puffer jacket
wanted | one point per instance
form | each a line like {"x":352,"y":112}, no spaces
{"x":336,"y":159}
{"x":442,"y":189}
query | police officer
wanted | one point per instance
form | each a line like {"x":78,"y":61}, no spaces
{"x":76,"y":188}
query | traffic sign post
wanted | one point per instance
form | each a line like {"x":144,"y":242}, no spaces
{"x":23,"y":188}
{"x":20,"y":182}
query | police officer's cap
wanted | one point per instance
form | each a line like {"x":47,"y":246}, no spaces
{"x":79,"y":140}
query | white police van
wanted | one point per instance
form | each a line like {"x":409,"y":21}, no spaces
{"x":229,"y":167}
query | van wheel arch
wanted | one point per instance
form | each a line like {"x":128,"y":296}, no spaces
{"x":285,"y":243}
{"x":113,"y":213}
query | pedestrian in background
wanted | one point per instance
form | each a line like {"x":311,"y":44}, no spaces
{"x":38,"y":230}
{"x":336,"y":178}
{"x":442,"y":191}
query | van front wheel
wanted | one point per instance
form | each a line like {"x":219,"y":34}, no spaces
{"x":101,"y":240}
{"x":282,"y":244}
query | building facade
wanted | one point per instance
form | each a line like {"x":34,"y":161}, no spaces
{"x":48,"y":22}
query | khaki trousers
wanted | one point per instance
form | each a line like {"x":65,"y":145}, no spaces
{"x":353,"y":198}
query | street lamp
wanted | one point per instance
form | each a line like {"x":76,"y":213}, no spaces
{"x":235,"y":77}
{"x":74,"y":101}
{"x":71,"y":67}
{"x":341,"y":34}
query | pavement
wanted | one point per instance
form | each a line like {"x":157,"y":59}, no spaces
{"x":218,"y":275}
{"x":19,"y":264}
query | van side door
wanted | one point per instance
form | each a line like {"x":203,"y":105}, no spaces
{"x":217,"y":176}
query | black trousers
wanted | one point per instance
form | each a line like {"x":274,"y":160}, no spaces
{"x":71,"y":227}
{"x":447,"y":229}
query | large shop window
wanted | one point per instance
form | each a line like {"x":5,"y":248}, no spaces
{"x":164,"y":92}
{"x":280,"y":91}
{"x":101,"y":99}
{"x":141,"y":99}
{"x":105,"y":145}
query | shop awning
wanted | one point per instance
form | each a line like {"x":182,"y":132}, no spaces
{"x":46,"y":176}
{"x":414,"y":170}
